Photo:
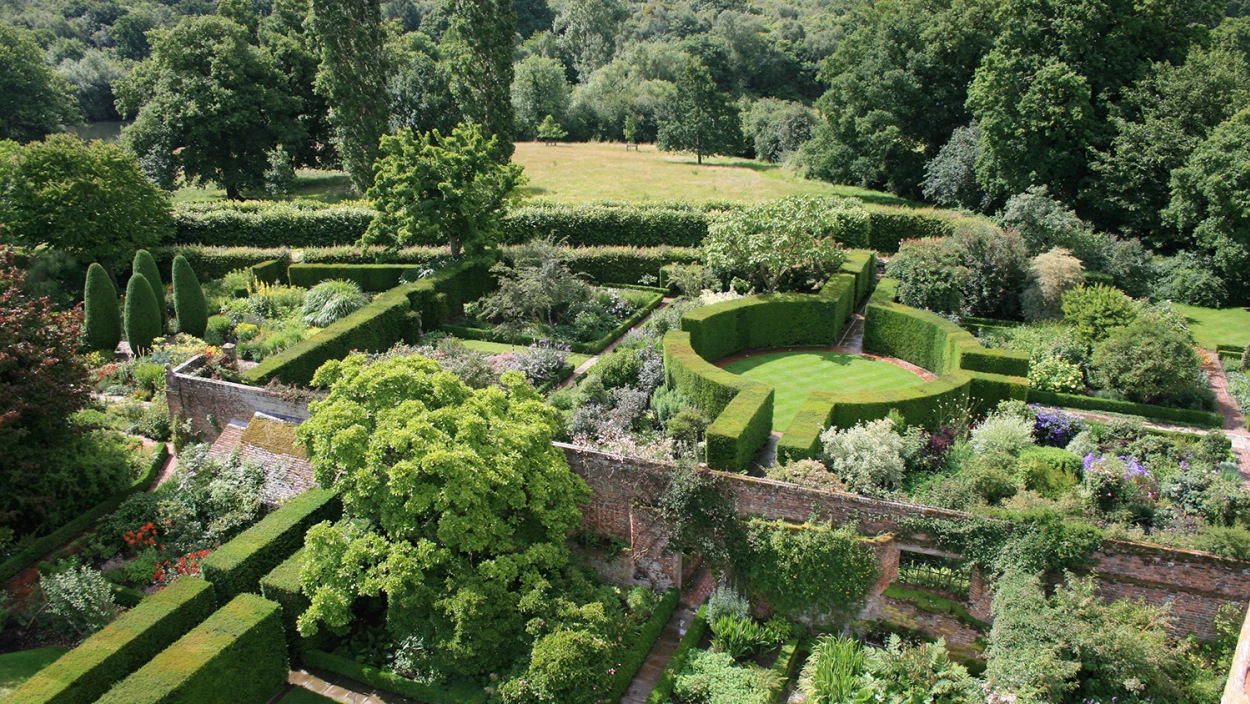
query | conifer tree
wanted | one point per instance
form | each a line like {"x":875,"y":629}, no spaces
{"x":143,"y":320}
{"x":102,"y":322}
{"x":478,"y":46}
{"x":146,"y":265}
{"x":189,"y":304}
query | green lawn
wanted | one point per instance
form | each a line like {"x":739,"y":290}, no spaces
{"x":1224,"y":326}
{"x":500,"y":347}
{"x":299,"y":695}
{"x":797,"y":374}
{"x":16,"y":668}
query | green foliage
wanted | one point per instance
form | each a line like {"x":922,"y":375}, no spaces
{"x":391,"y":682}
{"x":453,"y":482}
{"x":951,"y":176}
{"x":1226,"y":541}
{"x":736,"y":637}
{"x":144,"y":264}
{"x":699,"y":118}
{"x":905,"y":672}
{"x":1056,"y":374}
{"x":685,"y":647}
{"x":241,"y":644}
{"x":790,"y":244}
{"x":611,"y":224}
{"x":80,"y":598}
{"x":86,"y":198}
{"x":564,"y":666}
{"x":269,"y":224}
{"x":978,"y":270}
{"x":1095,"y":310}
{"x":238,"y":566}
{"x":1185,"y":416}
{"x":439,"y":188}
{"x":832,"y":674}
{"x":701,"y":516}
{"x":776,"y":129}
{"x":355,"y":90}
{"x":1050,"y":471}
{"x":1046,"y":223}
{"x":332,"y":300}
{"x":122,"y":647}
{"x":540,"y":97}
{"x":867,"y":457}
{"x":142,"y":320}
{"x":1051,"y":274}
{"x":366,"y":277}
{"x":102,"y":322}
{"x":1149,"y":361}
{"x":813,"y":569}
{"x":210,"y":105}
{"x":189,"y":303}
{"x":37,"y":100}
{"x":478,"y":46}
{"x":1033,"y":541}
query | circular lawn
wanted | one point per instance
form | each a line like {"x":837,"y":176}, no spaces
{"x":796,"y":373}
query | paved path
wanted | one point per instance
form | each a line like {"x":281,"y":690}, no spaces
{"x":343,"y":689}
{"x":1234,"y":419}
{"x":649,"y":674}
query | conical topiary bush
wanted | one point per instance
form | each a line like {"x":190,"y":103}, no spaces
{"x":143,"y":320}
{"x":189,"y":303}
{"x":102,"y":321}
{"x":146,"y":265}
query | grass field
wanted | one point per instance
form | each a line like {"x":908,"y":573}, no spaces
{"x":16,"y":668}
{"x":574,"y":173}
{"x":1224,"y":326}
{"x":797,"y":374}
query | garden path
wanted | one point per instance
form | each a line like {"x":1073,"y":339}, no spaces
{"x":1234,"y":420}
{"x":585,"y":366}
{"x":340,"y":689}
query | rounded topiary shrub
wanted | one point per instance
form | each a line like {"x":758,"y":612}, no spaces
{"x":189,"y":303}
{"x":146,"y":265}
{"x":143,"y":318}
{"x":102,"y":322}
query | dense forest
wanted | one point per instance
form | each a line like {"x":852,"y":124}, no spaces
{"x":1128,"y":115}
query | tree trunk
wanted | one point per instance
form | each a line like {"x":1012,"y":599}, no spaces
{"x":454,"y":243}
{"x":232,"y":192}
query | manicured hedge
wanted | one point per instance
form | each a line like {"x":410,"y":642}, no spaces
{"x":862,"y":264}
{"x":639,"y":645}
{"x":1179,"y":416}
{"x":668,"y":679}
{"x":785,"y":665}
{"x":626,"y":265}
{"x":396,"y":315}
{"x":237,"y":566}
{"x":37,"y":549}
{"x":282,"y":585}
{"x":237,"y":655}
{"x":270,"y":224}
{"x":892,"y":225}
{"x":917,"y":336}
{"x":738,"y":433}
{"x":370,"y":277}
{"x":271,"y":272}
{"x":708,"y":386}
{"x":596,"y":225}
{"x":974,"y":357}
{"x":215,"y":262}
{"x":755,"y":322}
{"x":355,"y":254}
{"x":458,"y":693}
{"x":85,"y":673}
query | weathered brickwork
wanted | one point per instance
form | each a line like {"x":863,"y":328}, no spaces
{"x":211,"y":403}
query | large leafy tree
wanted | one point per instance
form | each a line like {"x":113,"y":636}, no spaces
{"x":587,"y":30}
{"x":87,"y":198}
{"x":34,"y":99}
{"x":421,"y":87}
{"x":478,"y":48}
{"x":1211,"y":199}
{"x":355,"y":70}
{"x":456,"y":506}
{"x":539,"y":90}
{"x":1043,"y":94}
{"x":432,"y":188}
{"x":210,"y":104}
{"x":282,"y":34}
{"x":700,"y":118}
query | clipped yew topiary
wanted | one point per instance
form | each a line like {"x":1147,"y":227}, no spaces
{"x":102,"y":323}
{"x":146,"y":265}
{"x":189,"y":304}
{"x":143,"y":318}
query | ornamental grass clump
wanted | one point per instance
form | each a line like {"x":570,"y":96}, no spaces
{"x":332,"y":300}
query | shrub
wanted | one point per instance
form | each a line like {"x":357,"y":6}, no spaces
{"x":1056,"y":374}
{"x":950,"y":177}
{"x":216,"y":329}
{"x":737,"y":637}
{"x":86,"y":672}
{"x":993,"y":262}
{"x":1055,"y":428}
{"x":716,"y":679}
{"x":1050,"y":471}
{"x":1046,"y":223}
{"x":809,"y":569}
{"x":1149,"y":361}
{"x":143,"y":318}
{"x":241,"y":644}
{"x":1051,"y":274}
{"x":332,"y":300}
{"x":1226,"y":541}
{"x":832,"y":674}
{"x":189,"y":304}
{"x":1002,"y":432}
{"x":726,"y":602}
{"x":905,"y":672}
{"x":146,"y":265}
{"x":565,"y":667}
{"x":102,"y":323}
{"x":867,"y":458}
{"x":927,"y":276}
{"x":806,"y":473}
{"x":1096,"y":310}
{"x":81,"y":598}
{"x":1190,"y":278}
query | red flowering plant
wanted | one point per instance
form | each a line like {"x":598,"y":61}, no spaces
{"x":143,"y":538}
{"x":169,"y":570}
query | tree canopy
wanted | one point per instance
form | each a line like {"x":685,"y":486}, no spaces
{"x":456,"y":505}
{"x":699,"y":118}
{"x":34,"y":99}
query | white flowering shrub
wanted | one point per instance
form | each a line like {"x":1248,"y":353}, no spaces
{"x":867,"y":458}
{"x":81,"y":598}
{"x":1002,"y":432}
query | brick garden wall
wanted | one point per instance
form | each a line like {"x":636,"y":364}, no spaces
{"x":211,"y":403}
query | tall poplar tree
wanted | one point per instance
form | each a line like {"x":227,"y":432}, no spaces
{"x":478,"y":48}
{"x":355,"y":69}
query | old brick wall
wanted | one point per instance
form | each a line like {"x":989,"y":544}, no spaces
{"x":211,"y":403}
{"x":1194,"y":584}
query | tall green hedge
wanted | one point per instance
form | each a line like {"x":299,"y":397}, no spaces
{"x":369,"y":277}
{"x":102,"y":322}
{"x":891,"y":225}
{"x":270,"y":224}
{"x":755,"y":322}
{"x":282,"y":586}
{"x":143,"y":321}
{"x":146,"y":265}
{"x":215,"y":262}
{"x":189,"y":303}
{"x":85,"y":673}
{"x":237,"y":655}
{"x":238,"y":566}
{"x":738,"y":433}
{"x":625,"y":265}
{"x":593,"y":225}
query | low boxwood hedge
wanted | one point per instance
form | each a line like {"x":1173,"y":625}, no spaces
{"x":624,"y":265}
{"x":355,"y":254}
{"x":237,"y":566}
{"x":785,"y":666}
{"x":33,"y":552}
{"x":238,"y":655}
{"x":1179,"y":416}
{"x":668,"y":679}
{"x":85,"y":673}
{"x":891,"y":225}
{"x":639,"y":645}
{"x":455,"y":693}
{"x":862,"y":264}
